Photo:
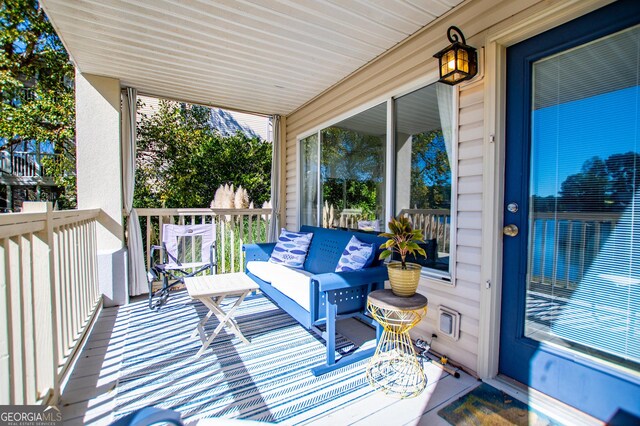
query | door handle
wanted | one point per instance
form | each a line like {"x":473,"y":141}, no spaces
{"x":510,"y":230}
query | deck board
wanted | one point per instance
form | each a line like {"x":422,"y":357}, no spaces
{"x":88,"y":396}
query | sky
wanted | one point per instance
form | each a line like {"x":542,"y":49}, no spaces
{"x":566,"y":135}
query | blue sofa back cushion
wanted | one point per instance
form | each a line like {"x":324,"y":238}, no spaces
{"x":355,"y":255}
{"x":291,"y":248}
{"x":328,"y":244}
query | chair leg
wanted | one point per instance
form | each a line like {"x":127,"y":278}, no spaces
{"x":160,"y":295}
{"x":151,"y":295}
{"x":330,"y":338}
{"x":332,"y":312}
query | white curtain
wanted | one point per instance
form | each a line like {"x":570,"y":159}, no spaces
{"x":137,"y":274}
{"x":445,"y":107}
{"x":275,"y":179}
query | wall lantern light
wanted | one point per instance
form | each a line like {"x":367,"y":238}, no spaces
{"x":458,"y":62}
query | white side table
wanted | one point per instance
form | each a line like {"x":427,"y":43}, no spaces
{"x":212,"y":290}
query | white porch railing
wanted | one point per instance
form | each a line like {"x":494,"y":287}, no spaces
{"x":24,"y":164}
{"x":347,"y":218}
{"x":565,"y":244}
{"x":234,"y":227}
{"x":48,"y":296}
{"x":434,"y":223}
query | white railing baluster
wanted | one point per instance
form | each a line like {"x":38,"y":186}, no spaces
{"x":544,"y":252}
{"x":567,"y":270}
{"x":29,"y":341}
{"x":241,"y":240}
{"x":5,"y":335}
{"x":61,"y":293}
{"x":148,"y":242}
{"x":16,"y":333}
{"x":45,"y":305}
{"x":223,"y":245}
{"x":232,"y":242}
{"x":583,"y":249}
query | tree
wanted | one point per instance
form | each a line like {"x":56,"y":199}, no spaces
{"x":352,"y":170}
{"x":587,"y":188}
{"x":601,"y":185}
{"x":36,"y":81}
{"x":182,"y":160}
{"x":430,"y":171}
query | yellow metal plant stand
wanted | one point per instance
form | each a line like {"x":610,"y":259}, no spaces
{"x":395,"y":369}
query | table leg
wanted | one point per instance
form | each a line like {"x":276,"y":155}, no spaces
{"x":225,"y":319}
{"x":228,"y":319}
{"x":395,"y":368}
{"x":200,"y":328}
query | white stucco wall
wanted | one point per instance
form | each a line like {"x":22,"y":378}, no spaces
{"x":99,"y":173}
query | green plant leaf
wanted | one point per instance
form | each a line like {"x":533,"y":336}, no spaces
{"x":385,"y":254}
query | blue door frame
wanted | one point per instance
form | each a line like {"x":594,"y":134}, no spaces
{"x":575,"y":379}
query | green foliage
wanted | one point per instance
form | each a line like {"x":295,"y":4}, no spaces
{"x":402,"y":240}
{"x":352,"y":194}
{"x":352,"y":170}
{"x":36,"y":82}
{"x":62,"y":169}
{"x":430,"y":172}
{"x":600,"y":186}
{"x":182,"y":161}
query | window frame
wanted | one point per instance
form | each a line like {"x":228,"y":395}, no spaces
{"x":445,"y":278}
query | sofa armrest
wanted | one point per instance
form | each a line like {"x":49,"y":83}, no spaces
{"x":260,"y":251}
{"x":339,"y":280}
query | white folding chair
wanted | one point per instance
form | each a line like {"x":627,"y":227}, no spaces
{"x":187,"y":250}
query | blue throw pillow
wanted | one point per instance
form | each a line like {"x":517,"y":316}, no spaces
{"x":291,"y":248}
{"x":355,"y":256}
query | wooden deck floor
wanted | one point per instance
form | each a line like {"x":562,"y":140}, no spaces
{"x":89,"y":396}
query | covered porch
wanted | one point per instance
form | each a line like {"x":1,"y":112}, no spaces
{"x":317,"y":69}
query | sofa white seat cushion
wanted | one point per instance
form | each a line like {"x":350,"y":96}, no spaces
{"x":293,"y":283}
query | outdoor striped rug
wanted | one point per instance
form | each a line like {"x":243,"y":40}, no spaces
{"x":268,"y":380}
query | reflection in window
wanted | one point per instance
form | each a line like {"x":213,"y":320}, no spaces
{"x":583,"y":286}
{"x":351,"y":168}
{"x":423,"y":167}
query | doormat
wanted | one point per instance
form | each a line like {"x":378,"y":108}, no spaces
{"x":486,"y":405}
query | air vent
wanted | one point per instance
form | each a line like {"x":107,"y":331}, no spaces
{"x":449,"y":322}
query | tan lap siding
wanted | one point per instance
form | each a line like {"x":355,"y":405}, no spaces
{"x":465,"y":296}
{"x":291,"y":203}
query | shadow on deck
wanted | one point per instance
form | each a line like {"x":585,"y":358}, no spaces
{"x":135,"y":358}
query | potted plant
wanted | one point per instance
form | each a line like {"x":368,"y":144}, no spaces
{"x":402,"y":239}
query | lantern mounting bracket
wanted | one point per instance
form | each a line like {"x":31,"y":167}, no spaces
{"x":454,"y":37}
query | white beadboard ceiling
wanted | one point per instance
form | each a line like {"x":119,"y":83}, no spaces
{"x":263,"y":56}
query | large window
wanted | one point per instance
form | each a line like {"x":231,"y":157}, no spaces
{"x":352,"y":170}
{"x":344,"y":170}
{"x":423,"y":167}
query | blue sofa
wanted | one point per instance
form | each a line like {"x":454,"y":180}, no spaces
{"x":317,"y":296}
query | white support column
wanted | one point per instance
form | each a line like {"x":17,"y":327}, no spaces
{"x":99,"y":173}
